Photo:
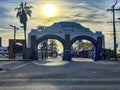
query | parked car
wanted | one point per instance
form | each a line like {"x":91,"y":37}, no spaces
{"x":2,"y":56}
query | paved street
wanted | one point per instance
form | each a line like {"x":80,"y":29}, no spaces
{"x":54,"y":74}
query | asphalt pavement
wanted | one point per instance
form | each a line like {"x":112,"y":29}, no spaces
{"x":54,"y":74}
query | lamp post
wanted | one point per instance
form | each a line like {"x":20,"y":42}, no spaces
{"x":15,"y":28}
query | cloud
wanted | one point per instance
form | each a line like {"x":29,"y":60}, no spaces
{"x":90,"y":13}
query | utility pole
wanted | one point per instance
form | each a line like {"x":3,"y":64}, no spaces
{"x":114,"y":28}
{"x":15,"y":28}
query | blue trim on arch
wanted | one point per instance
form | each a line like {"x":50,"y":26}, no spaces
{"x":92,"y":40}
{"x":50,"y":36}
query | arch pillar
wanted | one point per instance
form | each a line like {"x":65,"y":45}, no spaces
{"x":67,"y":48}
{"x":33,"y":47}
{"x":99,"y":48}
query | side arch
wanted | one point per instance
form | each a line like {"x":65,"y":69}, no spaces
{"x":50,"y":36}
{"x":45,"y":37}
{"x":92,"y":40}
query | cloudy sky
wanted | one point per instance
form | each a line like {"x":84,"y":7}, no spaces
{"x":89,"y":13}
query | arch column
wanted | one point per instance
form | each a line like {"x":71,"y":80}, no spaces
{"x":67,"y":48}
{"x":99,"y":48}
{"x":33,"y":47}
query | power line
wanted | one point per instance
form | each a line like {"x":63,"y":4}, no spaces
{"x":114,"y":27}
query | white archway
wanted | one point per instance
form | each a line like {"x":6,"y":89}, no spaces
{"x":67,"y":33}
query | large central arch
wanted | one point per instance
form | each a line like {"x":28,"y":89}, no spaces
{"x":92,"y":40}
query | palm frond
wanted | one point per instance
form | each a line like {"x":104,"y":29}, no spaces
{"x":30,"y":6}
{"x":40,"y":27}
{"x":21,"y":4}
{"x":18,"y":14}
{"x":25,"y":4}
{"x":17,"y":8}
{"x":29,"y":12}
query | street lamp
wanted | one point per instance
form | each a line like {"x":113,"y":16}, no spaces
{"x":15,"y":28}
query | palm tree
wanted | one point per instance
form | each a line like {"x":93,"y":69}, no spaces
{"x":43,"y":49}
{"x":44,"y":44}
{"x":40,"y":27}
{"x":22,"y":12}
{"x":53,"y":46}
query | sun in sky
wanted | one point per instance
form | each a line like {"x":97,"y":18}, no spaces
{"x":49,"y":10}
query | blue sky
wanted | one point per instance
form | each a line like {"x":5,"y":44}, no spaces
{"x":89,"y":13}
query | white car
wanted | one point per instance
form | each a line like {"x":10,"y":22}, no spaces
{"x":2,"y":56}
{"x":54,"y":55}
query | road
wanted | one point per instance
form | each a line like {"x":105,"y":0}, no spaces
{"x":60,"y":75}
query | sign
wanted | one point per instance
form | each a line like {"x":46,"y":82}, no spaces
{"x":67,"y":28}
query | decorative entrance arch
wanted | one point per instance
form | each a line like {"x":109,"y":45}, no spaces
{"x":67,"y":33}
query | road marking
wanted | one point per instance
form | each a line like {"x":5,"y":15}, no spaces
{"x":21,"y":65}
{"x":2,"y":71}
{"x":15,"y":67}
{"x":69,"y":80}
{"x":6,"y":63}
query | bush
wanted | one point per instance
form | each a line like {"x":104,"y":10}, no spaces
{"x":118,"y":55}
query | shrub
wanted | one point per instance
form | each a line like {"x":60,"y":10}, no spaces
{"x":118,"y":55}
